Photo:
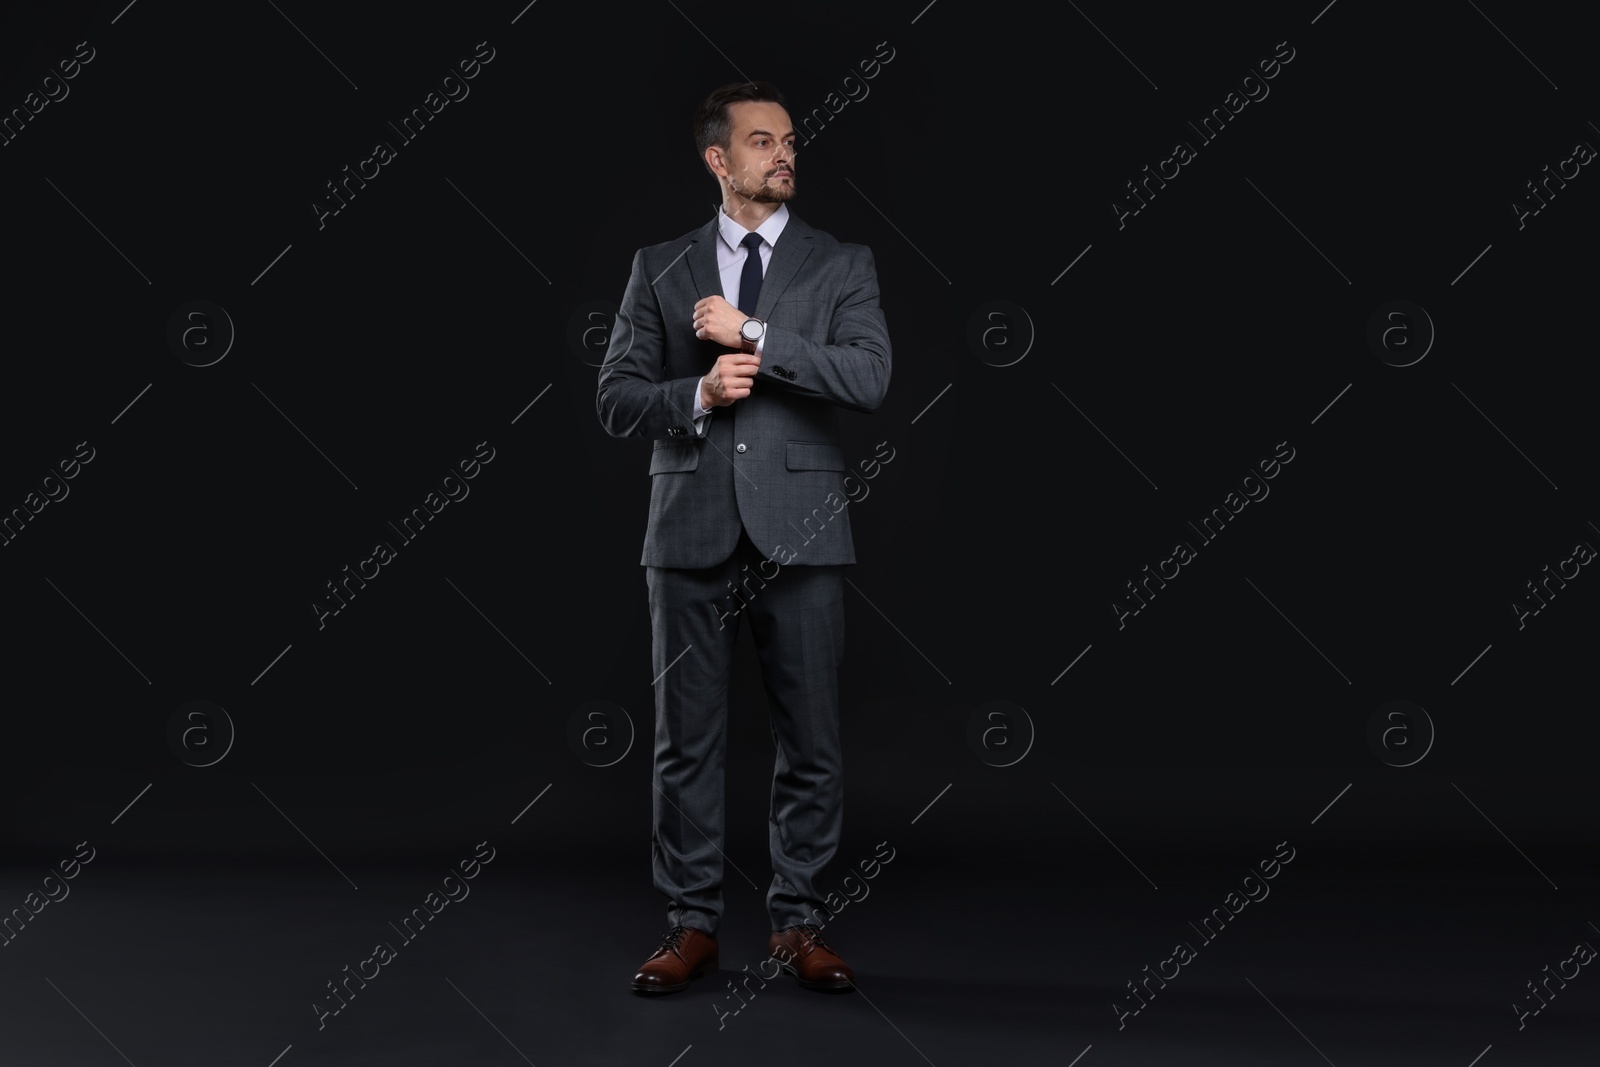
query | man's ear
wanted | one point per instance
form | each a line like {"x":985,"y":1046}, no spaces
{"x":714,"y":161}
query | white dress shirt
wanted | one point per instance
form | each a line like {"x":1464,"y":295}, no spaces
{"x":730,"y":266}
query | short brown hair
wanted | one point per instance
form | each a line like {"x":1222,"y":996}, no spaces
{"x":711,"y":123}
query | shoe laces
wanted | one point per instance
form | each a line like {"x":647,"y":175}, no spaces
{"x":672,"y":940}
{"x":813,"y":935}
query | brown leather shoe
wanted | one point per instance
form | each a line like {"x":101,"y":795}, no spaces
{"x":684,"y":954}
{"x":801,"y":951}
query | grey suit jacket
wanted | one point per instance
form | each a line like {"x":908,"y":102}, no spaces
{"x":771,"y":461}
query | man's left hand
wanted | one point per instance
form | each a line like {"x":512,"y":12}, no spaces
{"x":717,"y":320}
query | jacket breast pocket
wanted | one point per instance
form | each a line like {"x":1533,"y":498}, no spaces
{"x":672,"y":457}
{"x":813,"y":456}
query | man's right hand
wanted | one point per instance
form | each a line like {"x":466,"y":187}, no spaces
{"x":729,"y":380}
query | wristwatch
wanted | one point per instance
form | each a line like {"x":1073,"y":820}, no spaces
{"x":751,"y":333}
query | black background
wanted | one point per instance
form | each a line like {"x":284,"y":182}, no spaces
{"x":427,"y":315}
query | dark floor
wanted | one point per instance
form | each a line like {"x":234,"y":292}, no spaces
{"x":1391,"y":966}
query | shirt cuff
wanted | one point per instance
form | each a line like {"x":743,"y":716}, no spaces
{"x":700,"y":413}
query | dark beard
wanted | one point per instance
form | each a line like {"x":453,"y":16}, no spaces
{"x":764,"y":194}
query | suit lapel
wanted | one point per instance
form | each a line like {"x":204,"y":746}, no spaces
{"x":788,"y":255}
{"x":702,"y":260}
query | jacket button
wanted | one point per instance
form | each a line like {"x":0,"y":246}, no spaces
{"x":739,"y":447}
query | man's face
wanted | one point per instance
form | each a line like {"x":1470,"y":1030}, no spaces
{"x":759,"y":161}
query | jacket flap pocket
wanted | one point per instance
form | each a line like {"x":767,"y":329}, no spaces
{"x":809,"y":456}
{"x":672,"y":456}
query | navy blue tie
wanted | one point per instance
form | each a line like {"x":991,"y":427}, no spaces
{"x":750,"y":278}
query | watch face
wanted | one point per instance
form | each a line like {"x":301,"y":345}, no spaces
{"x":751,"y":330}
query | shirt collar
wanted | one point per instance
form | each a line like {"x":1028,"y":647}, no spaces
{"x":732,"y":232}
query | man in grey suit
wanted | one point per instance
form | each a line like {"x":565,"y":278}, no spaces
{"x":735,"y":346}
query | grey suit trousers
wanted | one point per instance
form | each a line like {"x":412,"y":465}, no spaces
{"x":796,"y":618}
